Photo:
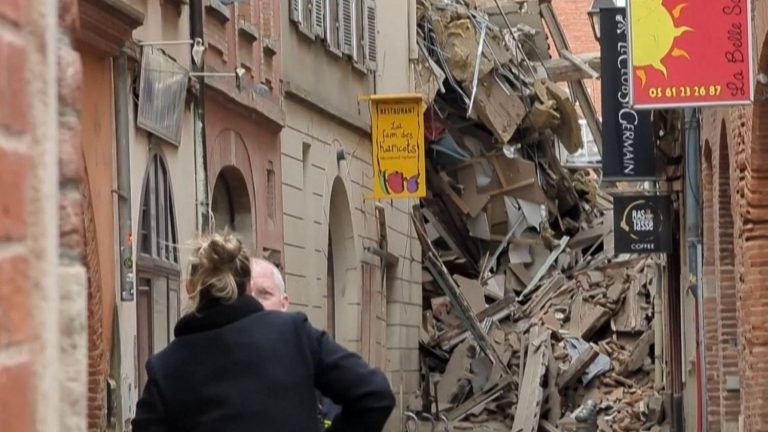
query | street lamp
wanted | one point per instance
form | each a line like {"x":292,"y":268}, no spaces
{"x":594,"y":13}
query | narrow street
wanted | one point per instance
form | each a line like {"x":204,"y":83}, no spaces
{"x":486,"y":215}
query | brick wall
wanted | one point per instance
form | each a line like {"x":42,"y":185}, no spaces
{"x":744,"y":166}
{"x":42,"y":332}
{"x":16,"y":363}
{"x":726,"y":282}
{"x":711,"y":303}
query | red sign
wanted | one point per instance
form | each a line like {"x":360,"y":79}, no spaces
{"x":690,"y":53}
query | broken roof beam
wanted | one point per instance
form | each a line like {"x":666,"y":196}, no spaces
{"x":578,"y":88}
{"x":529,"y":407}
{"x":563,"y":69}
{"x":452,"y":291}
{"x":579,"y":63}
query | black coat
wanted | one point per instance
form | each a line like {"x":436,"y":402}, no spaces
{"x":238,"y":368}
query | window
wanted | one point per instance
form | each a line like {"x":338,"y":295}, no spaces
{"x":332,"y":26}
{"x":318,"y":18}
{"x":158,"y":238}
{"x":370,"y":32}
{"x":347,"y":26}
{"x":589,"y":152}
{"x":157,"y":265}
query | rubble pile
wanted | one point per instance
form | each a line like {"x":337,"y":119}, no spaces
{"x":529,"y":320}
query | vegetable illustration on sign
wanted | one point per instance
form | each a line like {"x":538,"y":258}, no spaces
{"x":398,"y":146}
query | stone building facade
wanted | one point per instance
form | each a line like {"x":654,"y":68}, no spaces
{"x":733,"y":152}
{"x":330,"y":59}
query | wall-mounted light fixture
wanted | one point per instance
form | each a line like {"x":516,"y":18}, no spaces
{"x":594,"y":13}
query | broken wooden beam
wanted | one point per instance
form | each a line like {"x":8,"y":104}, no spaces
{"x":578,"y":62}
{"x":577,"y":367}
{"x":497,"y":311}
{"x":478,"y":399}
{"x":529,"y":407}
{"x":452,"y":291}
{"x":578,"y":87}
{"x":562,"y":69}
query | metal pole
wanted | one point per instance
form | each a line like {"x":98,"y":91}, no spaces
{"x":198,"y":107}
{"x":694,"y":241}
{"x":122,"y":121}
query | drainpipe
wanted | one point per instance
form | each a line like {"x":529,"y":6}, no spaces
{"x":198,"y":112}
{"x":693,"y":230}
{"x":122,"y":104}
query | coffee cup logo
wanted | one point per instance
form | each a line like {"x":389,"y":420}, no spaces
{"x":641,"y":224}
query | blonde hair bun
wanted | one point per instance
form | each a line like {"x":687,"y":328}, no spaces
{"x":219,"y":268}
{"x":220,"y":251}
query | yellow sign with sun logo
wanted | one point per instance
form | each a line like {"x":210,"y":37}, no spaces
{"x":690,"y":54}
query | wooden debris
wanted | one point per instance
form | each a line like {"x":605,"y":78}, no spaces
{"x":529,"y":409}
{"x":517,"y":249}
{"x":481,"y":398}
{"x":638,"y":355}
{"x":577,"y":367}
{"x":497,"y":107}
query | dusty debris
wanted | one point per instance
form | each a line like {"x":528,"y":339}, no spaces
{"x":528,"y":315}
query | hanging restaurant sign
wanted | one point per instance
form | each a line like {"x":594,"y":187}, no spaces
{"x":397,"y":135}
{"x":690,"y":53}
{"x":629,"y":152}
{"x":642,"y":224}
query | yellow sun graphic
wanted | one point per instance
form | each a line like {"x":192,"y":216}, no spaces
{"x":654,"y":35}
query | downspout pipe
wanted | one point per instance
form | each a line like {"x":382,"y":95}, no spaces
{"x":122,"y":122}
{"x":198,"y":111}
{"x":694,"y":244}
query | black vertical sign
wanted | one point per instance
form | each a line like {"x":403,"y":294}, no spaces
{"x":642,"y":224}
{"x":628,"y":148}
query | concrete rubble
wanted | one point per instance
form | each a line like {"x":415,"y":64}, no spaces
{"x":528,"y":318}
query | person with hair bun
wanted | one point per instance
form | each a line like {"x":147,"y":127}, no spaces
{"x":234,"y":366}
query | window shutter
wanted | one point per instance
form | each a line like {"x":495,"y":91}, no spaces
{"x":347,"y":25}
{"x":297,"y":9}
{"x":370,"y":40}
{"x":318,"y":17}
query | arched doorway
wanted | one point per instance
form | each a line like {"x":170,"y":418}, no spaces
{"x":157,"y":266}
{"x":344,"y":290}
{"x":231,"y":205}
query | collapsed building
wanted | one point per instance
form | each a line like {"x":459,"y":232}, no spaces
{"x":530,"y":320}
